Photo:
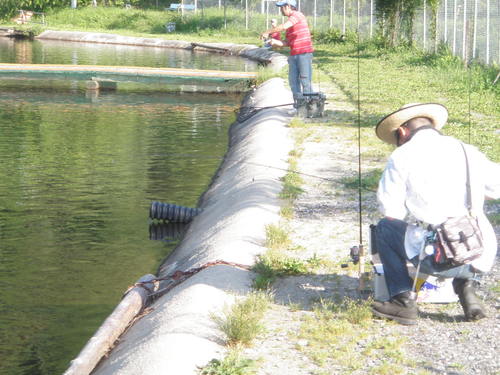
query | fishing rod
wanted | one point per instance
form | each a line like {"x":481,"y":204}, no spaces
{"x":360,"y":251}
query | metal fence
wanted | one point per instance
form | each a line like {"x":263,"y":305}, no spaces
{"x":471,"y":28}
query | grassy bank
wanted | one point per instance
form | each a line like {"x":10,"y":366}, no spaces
{"x":204,"y":25}
{"x":386,"y":79}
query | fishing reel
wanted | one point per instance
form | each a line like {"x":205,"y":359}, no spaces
{"x":354,"y":254}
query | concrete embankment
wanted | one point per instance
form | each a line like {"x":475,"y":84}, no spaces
{"x":263,"y":55}
{"x":178,"y":335}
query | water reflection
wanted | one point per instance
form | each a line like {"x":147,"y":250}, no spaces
{"x":166,"y":231}
{"x":76,"y":180}
{"x":60,"y":52}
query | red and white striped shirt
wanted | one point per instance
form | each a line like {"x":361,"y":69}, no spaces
{"x":299,"y":36}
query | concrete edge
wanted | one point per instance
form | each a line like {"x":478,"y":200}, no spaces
{"x":178,"y":336}
{"x":274,"y":60}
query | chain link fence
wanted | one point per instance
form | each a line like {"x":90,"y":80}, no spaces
{"x":471,"y":28}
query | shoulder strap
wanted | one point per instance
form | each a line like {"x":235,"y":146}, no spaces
{"x":467,"y":183}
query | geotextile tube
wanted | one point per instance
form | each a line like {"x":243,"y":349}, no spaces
{"x":178,"y":334}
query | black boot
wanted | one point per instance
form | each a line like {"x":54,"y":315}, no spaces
{"x":402,"y":308}
{"x":466,"y":291}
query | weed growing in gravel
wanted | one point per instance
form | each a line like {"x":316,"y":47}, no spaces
{"x":369,"y":180}
{"x":242,"y":322}
{"x":343,"y":335}
{"x":296,"y":122}
{"x":276,"y":237}
{"x":496,"y":288}
{"x":286,"y":212}
{"x":275,"y":263}
{"x":292,"y":182}
{"x":493,"y":217}
{"x":387,"y":368}
{"x":232,"y":364}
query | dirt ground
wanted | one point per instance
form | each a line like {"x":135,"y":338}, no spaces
{"x":326,"y":225}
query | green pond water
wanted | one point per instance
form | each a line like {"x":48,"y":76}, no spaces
{"x":77,"y":176}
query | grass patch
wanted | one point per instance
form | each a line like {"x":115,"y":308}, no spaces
{"x":287,"y":211}
{"x":275,"y":263}
{"x":369,"y":180}
{"x":276,"y":237}
{"x":342,"y":335}
{"x":232,"y":364}
{"x":291,"y":186}
{"x":496,"y":288}
{"x":242,"y":322}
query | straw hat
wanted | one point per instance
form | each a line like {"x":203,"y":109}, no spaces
{"x":386,"y":128}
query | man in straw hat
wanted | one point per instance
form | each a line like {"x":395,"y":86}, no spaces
{"x":426,"y":177}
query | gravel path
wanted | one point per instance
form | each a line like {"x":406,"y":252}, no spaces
{"x":326,"y":225}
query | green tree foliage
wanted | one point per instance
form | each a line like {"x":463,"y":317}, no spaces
{"x":396,"y":18}
{"x":9,"y":8}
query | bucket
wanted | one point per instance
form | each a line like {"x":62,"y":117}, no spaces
{"x":170,"y":27}
{"x":430,"y":289}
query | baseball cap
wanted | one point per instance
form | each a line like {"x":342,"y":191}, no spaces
{"x":292,"y":3}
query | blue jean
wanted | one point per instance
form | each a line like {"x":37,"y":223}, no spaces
{"x":390,"y":240}
{"x":300,"y":74}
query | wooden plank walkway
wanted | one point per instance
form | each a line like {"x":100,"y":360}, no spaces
{"x":128,"y":74}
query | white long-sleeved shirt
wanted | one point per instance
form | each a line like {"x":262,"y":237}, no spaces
{"x":426,"y":177}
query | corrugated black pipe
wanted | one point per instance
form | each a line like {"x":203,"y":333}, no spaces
{"x":172,"y":212}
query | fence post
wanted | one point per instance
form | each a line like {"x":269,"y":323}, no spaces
{"x":331,"y":13}
{"x":225,"y":16}
{"x":315,"y":13}
{"x":445,"y":21}
{"x":487,"y":32}
{"x":246,"y":14}
{"x":343,"y":22}
{"x":425,"y":25}
{"x":267,"y":15}
{"x":357,"y":16}
{"x":371,"y":18}
{"x":474,"y":31}
{"x":454,"y":26}
{"x":464,"y":35}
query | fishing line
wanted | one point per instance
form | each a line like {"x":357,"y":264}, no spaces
{"x":251,"y":163}
{"x":469,"y":78}
{"x":361,"y":251}
{"x":359,"y":144}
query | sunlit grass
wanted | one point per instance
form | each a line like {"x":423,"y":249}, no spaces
{"x":233,"y":364}
{"x":241,"y":323}
{"x":392,"y":78}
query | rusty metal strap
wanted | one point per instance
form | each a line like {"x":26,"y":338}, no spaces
{"x":178,"y":277}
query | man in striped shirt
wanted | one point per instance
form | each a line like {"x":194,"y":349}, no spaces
{"x":298,"y":38}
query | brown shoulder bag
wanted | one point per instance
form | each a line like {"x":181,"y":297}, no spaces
{"x":459,"y":239}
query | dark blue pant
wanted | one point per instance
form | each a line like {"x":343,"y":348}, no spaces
{"x":390,"y":241}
